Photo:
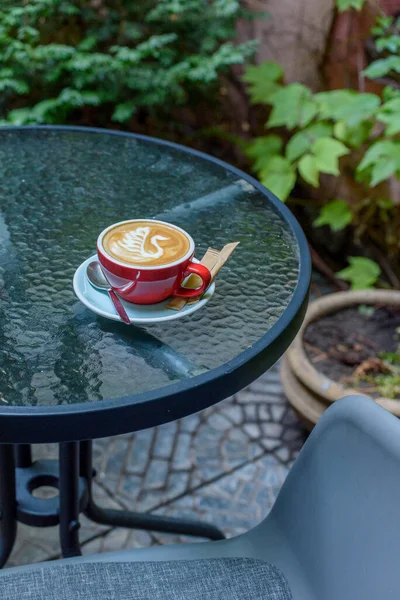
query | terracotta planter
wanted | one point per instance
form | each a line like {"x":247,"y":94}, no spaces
{"x":309,"y":391}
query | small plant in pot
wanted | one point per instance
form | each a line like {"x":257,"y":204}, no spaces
{"x":349,"y":343}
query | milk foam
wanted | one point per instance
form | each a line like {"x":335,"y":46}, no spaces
{"x":145,"y":243}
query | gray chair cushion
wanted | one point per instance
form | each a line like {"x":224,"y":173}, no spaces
{"x":211,"y":579}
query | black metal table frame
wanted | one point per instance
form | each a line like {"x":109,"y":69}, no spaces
{"x":73,"y":473}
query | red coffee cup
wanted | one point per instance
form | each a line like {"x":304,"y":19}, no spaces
{"x":146,"y":283}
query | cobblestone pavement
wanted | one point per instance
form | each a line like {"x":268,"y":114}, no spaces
{"x":224,"y":465}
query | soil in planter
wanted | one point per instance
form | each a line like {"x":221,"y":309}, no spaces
{"x":346,"y":346}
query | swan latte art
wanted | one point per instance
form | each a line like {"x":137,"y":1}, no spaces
{"x":145,"y":243}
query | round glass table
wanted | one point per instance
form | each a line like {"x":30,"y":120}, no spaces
{"x":68,"y":375}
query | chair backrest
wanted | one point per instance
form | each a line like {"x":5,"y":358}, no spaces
{"x":339,"y":509}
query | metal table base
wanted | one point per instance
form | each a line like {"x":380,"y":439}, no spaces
{"x":72,"y":474}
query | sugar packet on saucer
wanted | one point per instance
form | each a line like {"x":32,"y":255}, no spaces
{"x":214,"y":260}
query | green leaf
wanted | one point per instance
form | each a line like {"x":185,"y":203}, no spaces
{"x":390,"y":114}
{"x":18,"y":86}
{"x":293,"y":106}
{"x":124,"y":111}
{"x":347,"y":4}
{"x":383,"y":169}
{"x":330,"y":102}
{"x":380,"y":161}
{"x":268,"y":70}
{"x":383,"y":23}
{"x":347,"y":105}
{"x":327,"y":152}
{"x":88,"y":43}
{"x":262,"y":148}
{"x":308,"y":169}
{"x":262,"y":81}
{"x":20,"y":116}
{"x":279,"y":176}
{"x":383,"y":148}
{"x":390,"y":93}
{"x":362,"y":273}
{"x":390,"y":43}
{"x":336,"y":214}
{"x":302,"y":140}
{"x":353,"y":136}
{"x":368,"y":311}
{"x":382,"y":67}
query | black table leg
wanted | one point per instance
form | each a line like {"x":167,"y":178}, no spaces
{"x":8,"y":522}
{"x":69,"y":499}
{"x":23,"y":456}
{"x":135,"y":520}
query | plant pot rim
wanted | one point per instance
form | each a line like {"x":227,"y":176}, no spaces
{"x":320,"y":384}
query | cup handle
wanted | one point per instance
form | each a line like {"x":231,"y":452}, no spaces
{"x":203,"y":273}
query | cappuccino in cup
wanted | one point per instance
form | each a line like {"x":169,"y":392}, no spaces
{"x":146,"y":243}
{"x":147,"y":261}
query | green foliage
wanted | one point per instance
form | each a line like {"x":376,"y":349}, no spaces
{"x":390,"y":115}
{"x":313,"y":137}
{"x":262,"y":148}
{"x":388,"y":385}
{"x":278,"y":175}
{"x":387,"y":43}
{"x":347,"y":106}
{"x":323,"y":127}
{"x":336,"y":214}
{"x":302,"y":141}
{"x":382,"y":67}
{"x":292,"y":105}
{"x":59,"y":56}
{"x":366,"y":310}
{"x":346,"y":4}
{"x":380,"y":161}
{"x":362,"y":273}
{"x":262,"y":80}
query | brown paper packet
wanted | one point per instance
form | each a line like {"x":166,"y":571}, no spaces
{"x":214,"y":261}
{"x":224,"y":255}
{"x":209,"y":260}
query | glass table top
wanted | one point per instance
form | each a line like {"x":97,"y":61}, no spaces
{"x":59,"y":189}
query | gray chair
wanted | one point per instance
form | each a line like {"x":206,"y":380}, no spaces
{"x":333,"y":534}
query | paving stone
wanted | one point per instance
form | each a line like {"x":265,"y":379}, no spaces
{"x":264,"y":412}
{"x":270,"y":445}
{"x":164,"y":441}
{"x":277,"y":411}
{"x":140,"y":450}
{"x":156,"y":474}
{"x":117,"y":455}
{"x":131,"y":486}
{"x":234,"y":413}
{"x":291,"y":434}
{"x":218,"y":421}
{"x":190,"y":423}
{"x":250,"y":412}
{"x":272,"y":430}
{"x":182,"y":458}
{"x":247,"y":396}
{"x":252,"y":430}
{"x":283,"y":453}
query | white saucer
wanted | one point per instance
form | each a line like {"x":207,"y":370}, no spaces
{"x":100,"y":302}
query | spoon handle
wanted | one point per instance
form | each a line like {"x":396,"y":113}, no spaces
{"x":118,"y":307}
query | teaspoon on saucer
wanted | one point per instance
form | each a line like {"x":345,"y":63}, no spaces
{"x":98,"y":280}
